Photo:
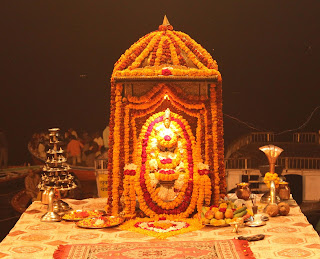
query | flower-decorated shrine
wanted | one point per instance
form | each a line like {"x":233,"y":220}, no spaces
{"x":166,"y":153}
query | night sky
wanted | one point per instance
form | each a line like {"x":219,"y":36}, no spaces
{"x":268,"y":53}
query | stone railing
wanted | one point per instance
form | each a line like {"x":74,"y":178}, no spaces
{"x":299,"y":163}
{"x":254,"y":137}
{"x":268,"y":137}
{"x":240,"y":163}
{"x":309,"y":163}
{"x":306,"y":137}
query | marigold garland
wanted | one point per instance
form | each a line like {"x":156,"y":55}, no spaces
{"x":204,"y":56}
{"x":159,"y":51}
{"x":222,"y":175}
{"x":216,"y":189}
{"x":116,"y":152}
{"x":143,"y":196}
{"x":129,"y":192}
{"x":135,"y":49}
{"x":165,"y":48}
{"x":215,"y":146}
{"x":144,"y":53}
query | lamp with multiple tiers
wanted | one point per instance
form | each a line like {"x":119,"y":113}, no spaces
{"x":55,"y":179}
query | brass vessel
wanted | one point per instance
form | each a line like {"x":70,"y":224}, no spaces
{"x":243,"y":191}
{"x":284,"y":191}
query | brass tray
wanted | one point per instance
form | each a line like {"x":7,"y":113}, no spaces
{"x":109,"y":221}
{"x":77,"y":215}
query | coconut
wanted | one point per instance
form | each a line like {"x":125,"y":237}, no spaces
{"x":272,"y":210}
{"x":284,"y":208}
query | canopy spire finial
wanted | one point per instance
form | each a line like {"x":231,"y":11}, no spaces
{"x":165,"y":21}
{"x":165,"y":25}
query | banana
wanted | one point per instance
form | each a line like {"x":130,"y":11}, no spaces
{"x":240,"y":210}
{"x":241,"y":214}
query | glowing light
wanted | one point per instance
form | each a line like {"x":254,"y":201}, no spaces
{"x":166,"y":97}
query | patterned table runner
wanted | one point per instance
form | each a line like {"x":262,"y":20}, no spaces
{"x":219,"y":249}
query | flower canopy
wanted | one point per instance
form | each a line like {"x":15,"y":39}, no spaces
{"x":165,"y":52}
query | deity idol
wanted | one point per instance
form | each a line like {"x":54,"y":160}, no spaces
{"x":166,"y":166}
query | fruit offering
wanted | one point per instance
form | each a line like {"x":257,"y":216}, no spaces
{"x":271,"y":177}
{"x":223,"y":214}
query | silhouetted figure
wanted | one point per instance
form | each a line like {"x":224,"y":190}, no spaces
{"x":105,"y":136}
{"x":3,"y":150}
{"x":74,"y":150}
{"x":73,"y":132}
{"x":42,"y":149}
{"x":91,"y":153}
{"x":31,"y":184}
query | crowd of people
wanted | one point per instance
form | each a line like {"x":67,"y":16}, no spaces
{"x":81,"y":149}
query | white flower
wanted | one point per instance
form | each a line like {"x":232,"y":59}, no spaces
{"x":202,"y":166}
{"x":153,"y":180}
{"x":153,"y":164}
{"x":179,"y":182}
{"x":130,"y":167}
{"x":99,"y":222}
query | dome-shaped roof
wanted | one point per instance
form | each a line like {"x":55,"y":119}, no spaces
{"x":165,"y":52}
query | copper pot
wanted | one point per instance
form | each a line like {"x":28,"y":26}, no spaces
{"x":243,"y":191}
{"x":284,"y":191}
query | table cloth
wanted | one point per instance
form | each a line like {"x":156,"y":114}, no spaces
{"x":285,"y":236}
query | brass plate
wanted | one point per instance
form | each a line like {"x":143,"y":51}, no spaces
{"x":110,"y":221}
{"x":76,"y":215}
{"x":255,"y":223}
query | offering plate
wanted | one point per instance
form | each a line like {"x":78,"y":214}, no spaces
{"x":77,"y":215}
{"x":100,"y":222}
{"x":255,"y":223}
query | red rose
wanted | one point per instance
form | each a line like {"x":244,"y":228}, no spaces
{"x":166,"y":72}
{"x":166,"y":161}
{"x":167,"y":138}
{"x":84,"y":214}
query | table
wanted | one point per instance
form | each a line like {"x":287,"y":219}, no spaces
{"x":286,"y":237}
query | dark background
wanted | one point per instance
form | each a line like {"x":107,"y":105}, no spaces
{"x":57,"y":58}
